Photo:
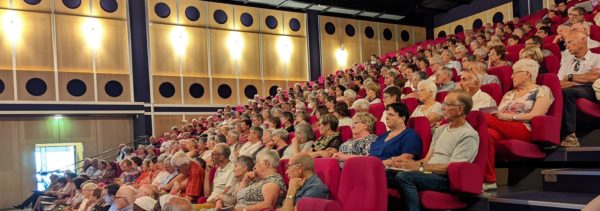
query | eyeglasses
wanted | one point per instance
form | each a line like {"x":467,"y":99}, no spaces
{"x":355,"y":123}
{"x":515,"y":72}
{"x":287,"y":166}
{"x":446,"y":104}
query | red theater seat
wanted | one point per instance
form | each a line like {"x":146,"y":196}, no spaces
{"x":345,"y":133}
{"x":380,"y":128}
{"x":440,"y":96}
{"x":552,"y":64}
{"x":377,"y":110}
{"x":503,"y":73}
{"x":494,"y":90}
{"x":588,"y":107}
{"x":328,"y":170}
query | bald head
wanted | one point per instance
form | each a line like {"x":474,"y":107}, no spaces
{"x":304,"y":160}
{"x":177,"y":204}
{"x":147,"y":190}
{"x":125,"y":197}
{"x":577,"y":44}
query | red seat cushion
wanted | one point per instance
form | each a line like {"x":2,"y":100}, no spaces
{"x":588,"y":107}
{"x":514,"y":150}
{"x":440,"y":201}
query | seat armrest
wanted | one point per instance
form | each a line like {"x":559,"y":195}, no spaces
{"x":465,"y":177}
{"x":545,"y":130}
{"x":317,"y":204}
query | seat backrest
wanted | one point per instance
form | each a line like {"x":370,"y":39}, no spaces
{"x":328,"y":170}
{"x":421,"y":126}
{"x":553,"y":47}
{"x":494,"y":90}
{"x":380,"y":128}
{"x":411,"y":104}
{"x":594,"y":32}
{"x":362,"y":93}
{"x":477,"y":121}
{"x":552,"y":64}
{"x":595,"y":50}
{"x":512,"y":57}
{"x":291,"y":136}
{"x":345,"y":133}
{"x":282,"y":168}
{"x":352,"y":112}
{"x":552,"y":82}
{"x":440,"y":96}
{"x":377,"y":110}
{"x":363,"y":184}
{"x":503,"y":73}
{"x":515,"y":49}
{"x":312,"y":119}
{"x":118,"y":170}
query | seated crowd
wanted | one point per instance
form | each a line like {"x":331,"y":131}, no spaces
{"x":230,"y":160}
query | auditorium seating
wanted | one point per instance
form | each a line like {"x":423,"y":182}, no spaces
{"x":503,"y":73}
{"x":328,"y":170}
{"x":345,"y":133}
{"x":494,"y":90}
{"x":377,"y":110}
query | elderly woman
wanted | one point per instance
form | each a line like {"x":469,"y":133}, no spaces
{"x":266,"y":141}
{"x":399,"y":142}
{"x":342,"y":113}
{"x":302,"y":141}
{"x":496,"y":56}
{"x":534,"y":53}
{"x":88,"y":200}
{"x":363,"y":129}
{"x":372,"y":92}
{"x":301,"y":116}
{"x":361,"y":105}
{"x":195,"y":175}
{"x":330,"y":140}
{"x":262,"y":188}
{"x":312,"y":105}
{"x":243,"y":165}
{"x":273,"y":122}
{"x":129,"y":174}
{"x":349,"y":96}
{"x":330,"y":104}
{"x":429,"y":107}
{"x":518,"y":106}
{"x":280,"y":137}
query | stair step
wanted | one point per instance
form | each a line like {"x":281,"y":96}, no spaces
{"x":571,"y":180}
{"x":540,"y":200}
{"x":590,"y":154}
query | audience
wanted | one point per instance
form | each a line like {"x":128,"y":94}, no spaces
{"x":329,"y":141}
{"x":363,"y":129}
{"x":303,"y":181}
{"x":470,"y":82}
{"x":399,"y":141}
{"x":262,"y":188}
{"x":429,"y":108}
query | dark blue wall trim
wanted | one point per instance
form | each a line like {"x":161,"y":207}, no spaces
{"x":140,"y":127}
{"x":69,"y":107}
{"x":466,"y":10}
{"x":186,"y":109}
{"x":147,"y":109}
{"x":314,"y":44}
{"x":139,"y":53}
{"x":148,"y":124}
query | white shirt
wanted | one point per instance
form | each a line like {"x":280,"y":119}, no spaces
{"x":248,"y":148}
{"x":454,"y":64}
{"x":223,"y":176}
{"x":159,"y":178}
{"x":568,"y":62}
{"x":482,"y":100}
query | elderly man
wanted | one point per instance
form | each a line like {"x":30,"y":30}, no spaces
{"x":303,"y":181}
{"x":164,"y":177}
{"x":578,"y":70}
{"x":233,"y":138}
{"x":254,"y":142}
{"x":124,"y":198}
{"x":194,"y":172}
{"x":456,"y":141}
{"x":224,"y":174}
{"x":443,"y":80}
{"x":177,"y":204}
{"x":447,"y":59}
{"x":470,"y":82}
{"x":583,"y":27}
{"x":481,"y":68}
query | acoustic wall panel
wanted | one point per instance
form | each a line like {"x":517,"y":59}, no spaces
{"x":47,"y":130}
{"x":297,"y":68}
{"x":166,"y":89}
{"x":5,"y":47}
{"x":194,"y":59}
{"x":388,"y":37}
{"x":246,"y":19}
{"x":351,"y":40}
{"x":330,"y":43}
{"x":249,"y":88}
{"x":72,"y":48}
{"x":165,"y":122}
{"x":112,"y":55}
{"x":271,"y":21}
{"x":220,"y":16}
{"x":225,"y":91}
{"x":115,"y":9}
{"x":114,"y":87}
{"x":192,"y":13}
{"x":370,"y":36}
{"x":29,"y":5}
{"x":420,"y":35}
{"x":76,"y":86}
{"x":35,"y":85}
{"x":162,"y":11}
{"x":78,"y":129}
{"x":273,"y":68}
{"x":405,"y":36}
{"x":294,"y":24}
{"x":196,"y":90}
{"x":272,"y":85}
{"x":34,"y":48}
{"x":6,"y":85}
{"x":222,"y":44}
{"x":163,"y":58}
{"x":72,"y":7}
{"x":249,"y":64}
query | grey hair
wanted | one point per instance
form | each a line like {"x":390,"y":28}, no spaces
{"x":350,"y":94}
{"x":268,"y":131}
{"x":306,"y":131}
{"x":225,"y":150}
{"x":270,"y":156}
{"x":528,"y":65}
{"x":179,"y":159}
{"x":281,"y":133}
{"x":361,"y":104}
{"x":234,"y":134}
{"x":428,"y":85}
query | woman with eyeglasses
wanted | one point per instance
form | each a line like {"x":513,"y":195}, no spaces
{"x":262,"y":188}
{"x":429,"y":108}
{"x":329,"y":141}
{"x":496,"y":57}
{"x":518,"y":106}
{"x":363,"y":127}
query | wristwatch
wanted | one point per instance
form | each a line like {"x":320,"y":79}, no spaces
{"x":570,"y":77}
{"x":421,"y":168}
{"x":289,"y":197}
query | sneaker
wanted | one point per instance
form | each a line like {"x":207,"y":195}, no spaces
{"x":570,"y":141}
{"x":19,"y":207}
{"x":489,"y":186}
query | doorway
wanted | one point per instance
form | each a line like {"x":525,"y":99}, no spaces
{"x":55,"y":159}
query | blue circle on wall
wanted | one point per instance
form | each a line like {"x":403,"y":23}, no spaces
{"x":220,"y":16}
{"x":250,"y":91}
{"x":36,"y":87}
{"x":477,"y":24}
{"x":294,"y":24}
{"x":1,"y":86}
{"x":350,"y":31}
{"x":72,"y":4}
{"x":109,"y":6}
{"x":458,"y":29}
{"x":246,"y":19}
{"x":33,"y":2}
{"x":329,"y":28}
{"x":273,"y":90}
{"x":166,"y":90}
{"x":271,"y":22}
{"x":369,"y":32}
{"x":441,"y":34}
{"x":196,"y":90}
{"x":113,"y":88}
{"x":162,"y":10}
{"x":76,"y":87}
{"x":387,"y":34}
{"x":192,"y":13}
{"x":404,"y":35}
{"x":224,"y":91}
{"x":498,"y":17}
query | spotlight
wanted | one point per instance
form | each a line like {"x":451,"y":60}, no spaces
{"x":179,"y":40}
{"x":92,"y":30}
{"x":12,"y":26}
{"x":284,"y":46}
{"x":58,"y":116}
{"x":235,"y":43}
{"x":341,"y":56}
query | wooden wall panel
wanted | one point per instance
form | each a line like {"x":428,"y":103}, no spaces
{"x":34,"y":50}
{"x":113,"y":54}
{"x":221,"y":61}
{"x":65,"y":77}
{"x":351,"y":44}
{"x":152,"y":17}
{"x":401,"y":42}
{"x":112,"y":131}
{"x":188,"y":98}
{"x":273,"y":69}
{"x":46,"y":130}
{"x":195,"y":60}
{"x":252,"y":11}
{"x":42,"y":6}
{"x":158,"y":98}
{"x":9,"y":163}
{"x":83,"y":9}
{"x":297,"y":68}
{"x":249,"y":64}
{"x":231,"y":100}
{"x":77,"y":129}
{"x":163,"y":59}
{"x":5,"y":48}
{"x":277,"y":14}
{"x":227,"y":8}
{"x":287,"y":17}
{"x":7,"y":78}
{"x":274,"y":83}
{"x":370,"y":46}
{"x":330,"y":43}
{"x":120,"y":13}
{"x":123,"y":79}
{"x":420,"y":34}
{"x":244,"y":84}
{"x":163,"y":123}
{"x":185,"y":5}
{"x":72,"y":51}
{"x":24,"y":76}
{"x":388,"y":45}
{"x":27,"y":163}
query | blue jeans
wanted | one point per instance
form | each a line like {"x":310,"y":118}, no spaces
{"x":409,"y":184}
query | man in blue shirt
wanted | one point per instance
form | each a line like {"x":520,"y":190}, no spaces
{"x":303,"y":181}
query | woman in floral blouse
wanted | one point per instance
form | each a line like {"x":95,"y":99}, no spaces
{"x":330,"y":140}
{"x":363,"y":127}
